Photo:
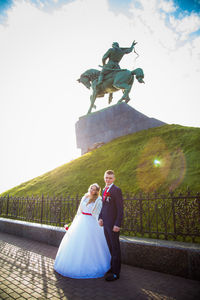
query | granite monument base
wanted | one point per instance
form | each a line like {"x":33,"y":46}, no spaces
{"x":98,"y":128}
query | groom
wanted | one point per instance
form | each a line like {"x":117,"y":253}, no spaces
{"x":111,"y":217}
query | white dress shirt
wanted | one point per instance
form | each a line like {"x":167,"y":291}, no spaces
{"x":109,"y":187}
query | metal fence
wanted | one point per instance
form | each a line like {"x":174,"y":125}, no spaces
{"x":170,"y":216}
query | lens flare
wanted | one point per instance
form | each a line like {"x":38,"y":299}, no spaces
{"x":160,"y":167}
{"x":156,"y":163}
{"x":178,"y":169}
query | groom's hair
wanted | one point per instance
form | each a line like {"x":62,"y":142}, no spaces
{"x":110,"y":172}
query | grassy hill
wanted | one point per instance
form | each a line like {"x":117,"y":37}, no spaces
{"x":162,"y":159}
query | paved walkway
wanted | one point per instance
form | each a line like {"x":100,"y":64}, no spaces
{"x":26,"y":272}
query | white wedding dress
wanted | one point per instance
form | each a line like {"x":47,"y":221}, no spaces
{"x":83,"y":252}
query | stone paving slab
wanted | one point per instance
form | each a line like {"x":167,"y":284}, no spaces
{"x":26,"y":272}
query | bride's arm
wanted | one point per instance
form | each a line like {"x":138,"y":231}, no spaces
{"x":97,"y":208}
{"x":79,"y":210}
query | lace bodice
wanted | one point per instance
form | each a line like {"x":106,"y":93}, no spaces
{"x":93,"y":208}
{"x":87,"y":208}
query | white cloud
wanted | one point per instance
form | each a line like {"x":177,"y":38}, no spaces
{"x":186,"y":25}
{"x":167,"y":6}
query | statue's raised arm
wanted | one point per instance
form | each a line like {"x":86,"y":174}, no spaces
{"x":129,"y":50}
{"x":112,"y":58}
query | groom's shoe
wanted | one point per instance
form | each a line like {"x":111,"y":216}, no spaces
{"x":108,"y":272}
{"x":111,"y":277}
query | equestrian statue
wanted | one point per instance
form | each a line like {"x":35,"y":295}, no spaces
{"x":112,"y":78}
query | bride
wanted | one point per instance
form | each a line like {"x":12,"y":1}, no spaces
{"x":83,"y":252}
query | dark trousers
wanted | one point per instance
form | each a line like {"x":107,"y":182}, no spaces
{"x":112,"y":239}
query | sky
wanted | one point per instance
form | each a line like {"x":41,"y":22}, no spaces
{"x":47,"y":44}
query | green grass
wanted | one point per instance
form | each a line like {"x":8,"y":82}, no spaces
{"x":176,"y":147}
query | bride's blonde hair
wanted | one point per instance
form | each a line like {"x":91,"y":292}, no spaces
{"x":92,"y":198}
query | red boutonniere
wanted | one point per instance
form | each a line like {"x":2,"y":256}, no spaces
{"x":107,"y":194}
{"x":107,"y":197}
{"x":66,"y":227}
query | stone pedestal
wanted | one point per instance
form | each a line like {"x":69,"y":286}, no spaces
{"x":101,"y":127}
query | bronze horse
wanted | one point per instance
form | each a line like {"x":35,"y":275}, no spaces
{"x":120,"y":79}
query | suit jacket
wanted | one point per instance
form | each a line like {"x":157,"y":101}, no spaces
{"x":112,"y":209}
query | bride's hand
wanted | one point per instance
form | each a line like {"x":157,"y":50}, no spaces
{"x":116,"y":228}
{"x":100,"y":222}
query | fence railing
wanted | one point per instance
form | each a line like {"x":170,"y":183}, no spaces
{"x":170,"y":216}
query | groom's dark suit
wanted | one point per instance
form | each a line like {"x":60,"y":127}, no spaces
{"x":112,"y":214}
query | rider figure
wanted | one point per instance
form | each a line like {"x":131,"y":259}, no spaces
{"x":114,"y":55}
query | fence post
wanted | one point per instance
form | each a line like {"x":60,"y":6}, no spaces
{"x":173,"y":201}
{"x":198,"y":201}
{"x":141,"y":214}
{"x":149,"y":213}
{"x":7,"y":205}
{"x":60,"y":212}
{"x":77,"y":201}
{"x":156,"y":212}
{"x":42,"y":205}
